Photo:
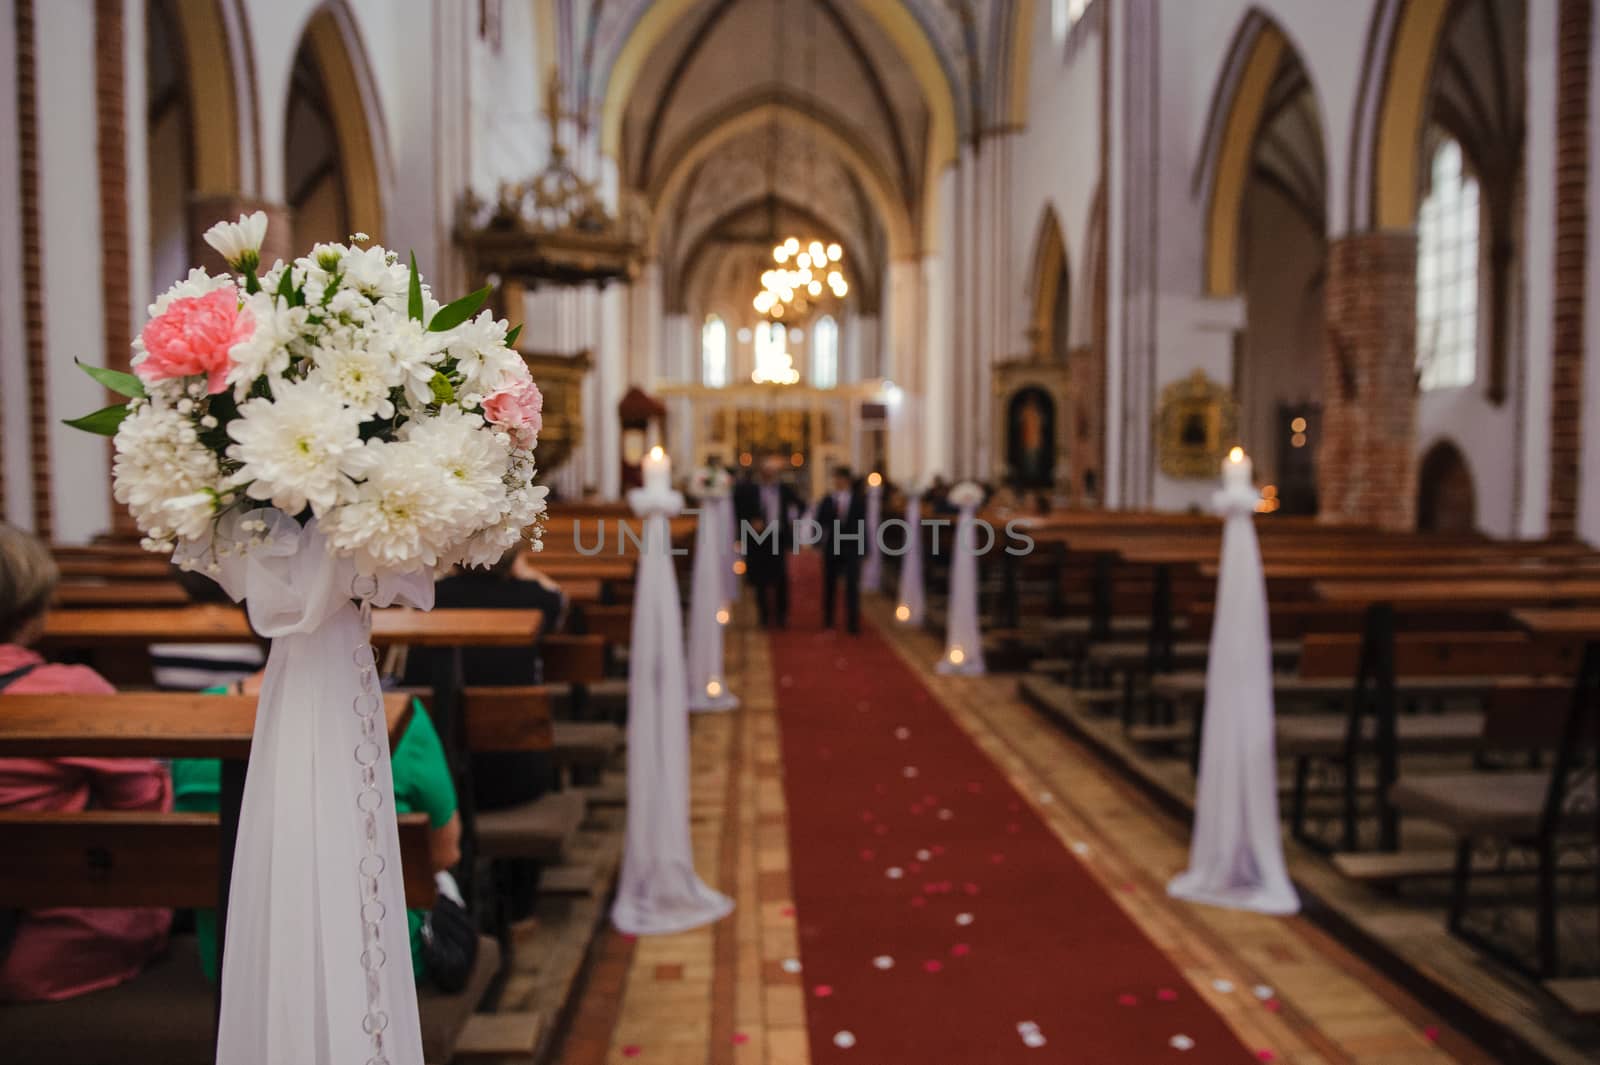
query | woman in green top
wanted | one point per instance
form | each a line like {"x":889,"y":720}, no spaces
{"x":422,"y":784}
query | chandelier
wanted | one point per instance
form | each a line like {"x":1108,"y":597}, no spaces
{"x":803,"y":272}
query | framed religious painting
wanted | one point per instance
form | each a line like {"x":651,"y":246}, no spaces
{"x":1197,"y":422}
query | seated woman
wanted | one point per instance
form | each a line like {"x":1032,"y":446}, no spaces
{"x":499,"y":779}
{"x":422,"y":784}
{"x":59,"y":953}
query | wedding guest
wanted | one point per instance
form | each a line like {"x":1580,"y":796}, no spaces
{"x":422,"y":784}
{"x":842,"y":513}
{"x":768,"y":503}
{"x":60,"y":953}
{"x":500,"y":779}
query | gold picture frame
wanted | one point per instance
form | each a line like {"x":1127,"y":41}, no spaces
{"x":1197,"y":422}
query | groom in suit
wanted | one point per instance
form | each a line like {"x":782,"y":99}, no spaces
{"x":763,"y":504}
{"x":842,"y":513}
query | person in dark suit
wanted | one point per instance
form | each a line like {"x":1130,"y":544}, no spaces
{"x":842,"y":513}
{"x":762,"y":504}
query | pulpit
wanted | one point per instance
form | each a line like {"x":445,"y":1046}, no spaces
{"x":643,"y":419}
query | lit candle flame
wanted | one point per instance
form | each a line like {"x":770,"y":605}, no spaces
{"x":714,"y":688}
{"x":659,"y":453}
{"x":957,"y":656}
{"x":874,"y":479}
{"x":902,"y":612}
{"x":1236,"y":455}
{"x":722,"y":616}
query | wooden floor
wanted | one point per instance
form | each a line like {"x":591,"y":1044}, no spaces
{"x":732,"y":994}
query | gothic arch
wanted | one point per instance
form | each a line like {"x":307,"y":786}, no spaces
{"x":1051,"y":286}
{"x":1264,"y":122}
{"x":332,"y":79}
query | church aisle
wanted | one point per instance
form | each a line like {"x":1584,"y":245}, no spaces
{"x":1071,"y":929}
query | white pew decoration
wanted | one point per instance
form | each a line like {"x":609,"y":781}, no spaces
{"x":872,"y":566}
{"x":709,"y":607}
{"x":1236,"y":851}
{"x":320,"y":438}
{"x":963,"y":642}
{"x":659,"y":893}
{"x":912,"y":608}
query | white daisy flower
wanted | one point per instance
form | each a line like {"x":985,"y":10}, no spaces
{"x":299,"y":449}
{"x":239,"y":243}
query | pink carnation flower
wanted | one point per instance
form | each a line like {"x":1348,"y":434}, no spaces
{"x":194,"y":337}
{"x":519,"y":410}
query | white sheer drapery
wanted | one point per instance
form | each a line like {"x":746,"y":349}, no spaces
{"x":659,"y":892}
{"x":318,"y":951}
{"x":1236,"y":850}
{"x":708,"y":687}
{"x":913,"y":602}
{"x":872,"y":566}
{"x":730,"y":551}
{"x":963,"y":642}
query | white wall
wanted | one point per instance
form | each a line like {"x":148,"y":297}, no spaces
{"x":70,"y":234}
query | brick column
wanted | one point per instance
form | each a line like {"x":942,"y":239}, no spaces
{"x":205,"y":210}
{"x":32,"y":270}
{"x":1571,"y":250}
{"x":1365,"y":468}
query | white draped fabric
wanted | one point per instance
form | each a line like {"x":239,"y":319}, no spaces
{"x":317,"y":951}
{"x":659,"y":891}
{"x":730,"y":552}
{"x":872,"y":565}
{"x":708,"y":686}
{"x":912,"y":595}
{"x":963,"y":643}
{"x":1236,"y":851}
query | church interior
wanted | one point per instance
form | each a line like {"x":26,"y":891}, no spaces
{"x":1208,"y":669}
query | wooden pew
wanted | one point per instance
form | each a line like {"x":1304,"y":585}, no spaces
{"x":165,"y":1016}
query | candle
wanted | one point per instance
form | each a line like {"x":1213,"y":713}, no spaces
{"x":1238,"y":471}
{"x":874,"y":479}
{"x":657,"y":471}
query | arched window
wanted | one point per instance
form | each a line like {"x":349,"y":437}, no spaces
{"x":714,"y":352}
{"x":1064,"y":14}
{"x":825,"y":352}
{"x":1447,"y":273}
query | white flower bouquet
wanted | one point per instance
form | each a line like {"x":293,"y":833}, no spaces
{"x":710,"y":482}
{"x":966,"y":494}
{"x":334,"y":387}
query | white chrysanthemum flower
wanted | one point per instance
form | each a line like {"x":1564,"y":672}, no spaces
{"x":167,"y":478}
{"x":403,"y":516}
{"x":473,"y":461}
{"x":299,"y":449}
{"x":370,"y":272}
{"x":361,"y":378}
{"x":239,"y":243}
{"x":266,"y":353}
{"x":484,"y":362}
{"x":415,"y":351}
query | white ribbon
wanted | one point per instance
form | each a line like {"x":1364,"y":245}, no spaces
{"x":1236,"y":851}
{"x":872,"y":568}
{"x":912,"y":595}
{"x":317,"y":966}
{"x":963,"y":643}
{"x":659,"y":892}
{"x":730,"y":553}
{"x":708,"y":688}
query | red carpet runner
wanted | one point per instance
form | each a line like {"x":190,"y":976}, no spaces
{"x":939,"y":918}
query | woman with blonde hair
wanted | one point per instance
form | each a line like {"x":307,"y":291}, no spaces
{"x":61,"y":953}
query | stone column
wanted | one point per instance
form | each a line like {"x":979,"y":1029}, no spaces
{"x":207,"y":209}
{"x":1366,"y":463}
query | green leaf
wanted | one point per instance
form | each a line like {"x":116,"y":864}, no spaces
{"x":286,"y":286}
{"x":103,"y":422}
{"x":453,"y":314}
{"x":443,"y":391}
{"x":414,"y":305}
{"x":511,"y":337}
{"x":123,"y":384}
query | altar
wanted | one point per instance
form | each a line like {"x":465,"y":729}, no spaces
{"x":815,"y":428}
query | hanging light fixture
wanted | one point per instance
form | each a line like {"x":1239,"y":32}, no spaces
{"x":803,"y":269}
